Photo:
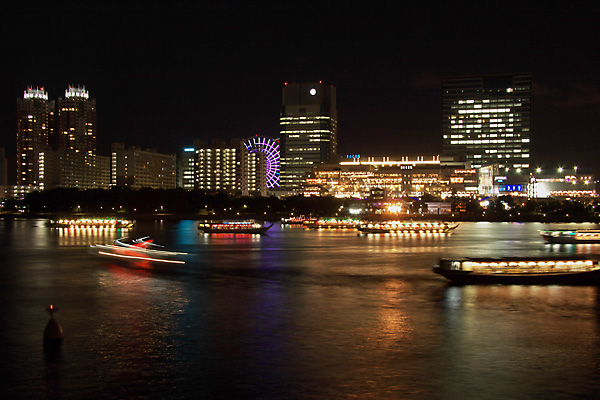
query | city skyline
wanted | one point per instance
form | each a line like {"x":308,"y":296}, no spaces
{"x":158,"y":73}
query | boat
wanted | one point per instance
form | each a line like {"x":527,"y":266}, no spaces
{"x":571,"y":236}
{"x":301,"y":220}
{"x":406,"y":227}
{"x":520,"y":270}
{"x":248,"y":226}
{"x":333,"y":223}
{"x":140,"y":249}
{"x":105,"y":223}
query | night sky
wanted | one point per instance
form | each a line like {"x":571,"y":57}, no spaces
{"x":164,"y":73}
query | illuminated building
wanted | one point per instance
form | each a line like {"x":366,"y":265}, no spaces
{"x":260,"y":165}
{"x":218,"y":166}
{"x":186,"y":177}
{"x":361,"y":178}
{"x":487,"y":119}
{"x":308,"y":131}
{"x":250,"y":167}
{"x":35,"y":127}
{"x":137,"y":168}
{"x":76,"y":164}
{"x":575,"y":182}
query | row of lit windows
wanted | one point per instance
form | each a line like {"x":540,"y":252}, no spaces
{"x":306,"y":131}
{"x":303,"y":118}
{"x":486,"y":110}
{"x":486,"y":135}
{"x":488,"y":141}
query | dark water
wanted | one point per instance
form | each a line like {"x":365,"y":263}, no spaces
{"x":295,"y":314}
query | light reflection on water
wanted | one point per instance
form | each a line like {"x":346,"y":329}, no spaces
{"x":293,"y":314}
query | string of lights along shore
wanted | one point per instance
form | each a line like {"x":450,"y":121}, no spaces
{"x":485,"y":139}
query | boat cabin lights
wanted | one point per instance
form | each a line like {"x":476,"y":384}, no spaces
{"x":469,"y":265}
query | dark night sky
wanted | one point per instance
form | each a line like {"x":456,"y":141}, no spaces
{"x":164,"y":73}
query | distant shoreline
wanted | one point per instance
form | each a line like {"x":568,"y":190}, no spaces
{"x":277,"y":217}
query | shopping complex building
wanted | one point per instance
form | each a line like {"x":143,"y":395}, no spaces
{"x":439,"y":176}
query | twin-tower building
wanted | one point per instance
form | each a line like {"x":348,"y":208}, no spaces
{"x":56,"y":142}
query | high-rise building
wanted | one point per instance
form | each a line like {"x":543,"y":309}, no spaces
{"x":186,"y":169}
{"x":77,"y":127}
{"x":261,"y":166}
{"x":35,"y":127}
{"x":218,"y":166}
{"x":487,"y":119}
{"x":250,"y":167}
{"x":308,"y":131}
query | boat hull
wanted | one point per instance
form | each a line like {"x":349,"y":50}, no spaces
{"x":467,"y":278}
{"x":574,"y":270}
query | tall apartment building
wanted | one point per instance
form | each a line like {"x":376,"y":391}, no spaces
{"x":250,"y":167}
{"x":77,"y":150}
{"x":218,"y":165}
{"x":308,"y":131}
{"x":487,"y":119}
{"x":137,"y":168}
{"x":35,"y":128}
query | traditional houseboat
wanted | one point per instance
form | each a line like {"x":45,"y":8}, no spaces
{"x":520,"y":270}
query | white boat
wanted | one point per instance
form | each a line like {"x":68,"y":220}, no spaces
{"x":141,"y":249}
{"x":571,"y":236}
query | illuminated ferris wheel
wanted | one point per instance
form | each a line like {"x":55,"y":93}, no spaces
{"x":271,"y":149}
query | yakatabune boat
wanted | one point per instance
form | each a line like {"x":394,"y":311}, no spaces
{"x":248,"y":226}
{"x":333,"y":223}
{"x":406,"y":227}
{"x":141,"y":249}
{"x":520,"y":270}
{"x":91,"y":223}
{"x":574,"y":236}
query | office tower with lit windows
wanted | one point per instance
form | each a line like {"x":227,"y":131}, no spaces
{"x":35,"y":128}
{"x":186,"y":169}
{"x":487,"y":120}
{"x":308,"y":131}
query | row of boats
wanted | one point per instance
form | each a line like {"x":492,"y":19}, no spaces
{"x":464,"y":270}
{"x":251,"y":226}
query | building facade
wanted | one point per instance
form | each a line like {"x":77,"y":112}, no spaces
{"x":487,"y":120}
{"x":136,"y":168}
{"x":76,"y":163}
{"x":35,"y":131}
{"x":249,"y":167}
{"x":186,"y":169}
{"x":359,"y":178}
{"x":308,"y":131}
{"x":218,"y":166}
